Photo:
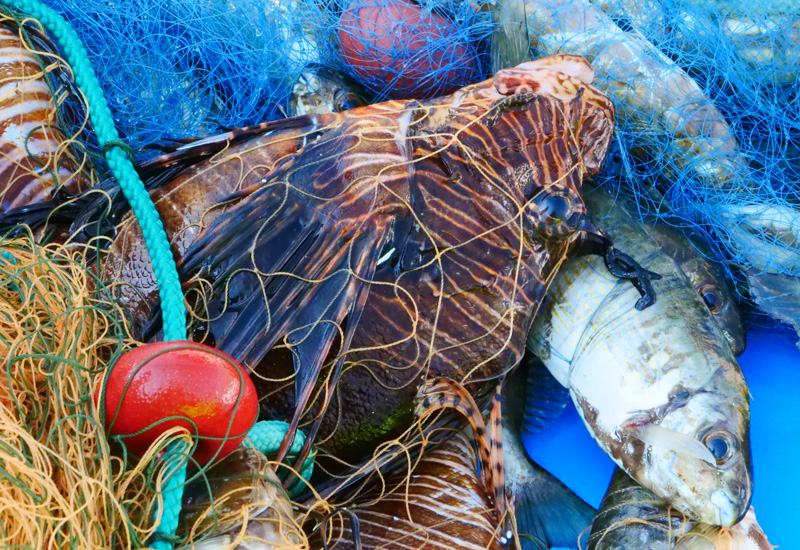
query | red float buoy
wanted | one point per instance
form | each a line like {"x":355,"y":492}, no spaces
{"x":162,"y":385}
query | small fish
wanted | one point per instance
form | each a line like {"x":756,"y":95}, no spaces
{"x":691,"y":251}
{"x":240,"y":492}
{"x":547,"y":513}
{"x":633,"y":518}
{"x":322,"y":90}
{"x":659,"y":389}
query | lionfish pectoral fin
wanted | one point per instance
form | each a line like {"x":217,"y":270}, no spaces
{"x":545,"y":398}
{"x":343,"y":299}
{"x":548,"y":514}
{"x":283,"y":275}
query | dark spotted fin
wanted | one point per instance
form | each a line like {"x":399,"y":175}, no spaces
{"x":443,"y":393}
{"x":545,"y":398}
{"x":547,"y":513}
{"x":282,"y":275}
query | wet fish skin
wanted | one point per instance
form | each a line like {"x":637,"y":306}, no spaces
{"x":321,"y":90}
{"x":547,"y":513}
{"x":707,"y":278}
{"x":633,"y":518}
{"x":651,"y":386}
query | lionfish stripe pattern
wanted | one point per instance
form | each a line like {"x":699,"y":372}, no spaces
{"x":33,"y":155}
{"x":441,"y":506}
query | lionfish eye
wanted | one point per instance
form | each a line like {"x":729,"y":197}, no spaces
{"x":554,"y":208}
{"x":711,"y":297}
{"x":721,"y":445}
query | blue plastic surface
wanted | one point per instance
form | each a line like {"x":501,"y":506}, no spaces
{"x":771,"y":365}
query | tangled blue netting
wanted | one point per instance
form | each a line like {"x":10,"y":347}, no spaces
{"x":186,"y":68}
{"x":708,"y":115}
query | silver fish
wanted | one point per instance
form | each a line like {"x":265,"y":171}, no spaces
{"x":633,"y":518}
{"x":321,"y":90}
{"x":708,"y":279}
{"x":659,"y":389}
{"x":658,"y":98}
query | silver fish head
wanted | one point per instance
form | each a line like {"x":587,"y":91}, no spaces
{"x":719,"y":301}
{"x":321,"y":90}
{"x":698,"y":454}
{"x":691,"y":251}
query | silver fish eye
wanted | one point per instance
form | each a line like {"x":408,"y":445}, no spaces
{"x":712,"y":297}
{"x":720,"y":443}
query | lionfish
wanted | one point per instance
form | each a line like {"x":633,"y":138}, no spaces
{"x":345,"y":258}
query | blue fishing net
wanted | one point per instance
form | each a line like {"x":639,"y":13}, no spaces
{"x":182,"y":68}
{"x":185,"y":68}
{"x":708,"y":119}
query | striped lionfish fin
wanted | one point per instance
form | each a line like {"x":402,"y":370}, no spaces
{"x":443,"y":393}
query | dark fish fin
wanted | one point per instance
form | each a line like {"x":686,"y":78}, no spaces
{"x":548,"y":514}
{"x":197,"y":150}
{"x":510,"y":42}
{"x":284,"y":275}
{"x":545,"y":398}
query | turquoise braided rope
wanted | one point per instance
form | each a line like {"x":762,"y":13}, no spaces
{"x":267,"y":436}
{"x":164,"y":268}
{"x":177,"y":457}
{"x":172,"y":306}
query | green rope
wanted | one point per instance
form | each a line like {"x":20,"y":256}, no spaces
{"x":172,"y":306}
{"x":267,"y":436}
